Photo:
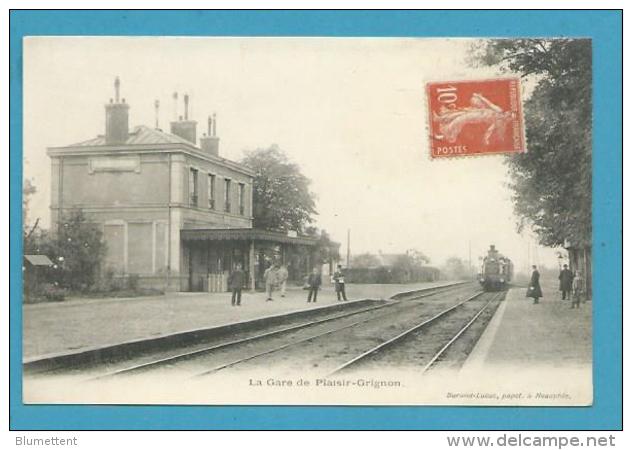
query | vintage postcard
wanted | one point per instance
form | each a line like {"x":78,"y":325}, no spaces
{"x":307,"y":221}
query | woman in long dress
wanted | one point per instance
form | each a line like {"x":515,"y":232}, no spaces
{"x":534,"y":291}
{"x":452,"y":121}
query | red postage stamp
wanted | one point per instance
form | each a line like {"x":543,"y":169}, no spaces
{"x":475,"y":117}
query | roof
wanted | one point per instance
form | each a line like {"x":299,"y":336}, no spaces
{"x":389,"y":259}
{"x":143,"y":139}
{"x":244,"y":234}
{"x":38,"y":260}
{"x":141,"y":135}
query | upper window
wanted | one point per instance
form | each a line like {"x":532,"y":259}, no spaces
{"x":227,"y":184}
{"x":211,"y":191}
{"x":242,"y":189}
{"x":193,"y":187}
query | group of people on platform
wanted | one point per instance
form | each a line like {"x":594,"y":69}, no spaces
{"x":276,"y":277}
{"x":572,"y":286}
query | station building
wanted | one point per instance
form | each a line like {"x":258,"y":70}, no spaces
{"x":174,"y":213}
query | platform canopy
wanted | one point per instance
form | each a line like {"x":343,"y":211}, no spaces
{"x":244,"y":234}
{"x":38,"y":260}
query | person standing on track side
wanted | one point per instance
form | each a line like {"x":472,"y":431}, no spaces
{"x":270,"y":277}
{"x":534,"y":291}
{"x":578,"y":289}
{"x":314,"y":282}
{"x":339,"y":282}
{"x":566,"y":282}
{"x":236,"y":281}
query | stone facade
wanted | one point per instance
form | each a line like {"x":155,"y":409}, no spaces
{"x":142,"y":192}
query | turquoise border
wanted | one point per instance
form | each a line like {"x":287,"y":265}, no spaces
{"x":604,"y":27}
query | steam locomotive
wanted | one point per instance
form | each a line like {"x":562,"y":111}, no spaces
{"x":496,"y":271}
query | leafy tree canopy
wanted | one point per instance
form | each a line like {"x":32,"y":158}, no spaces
{"x":326,"y":250}
{"x":77,"y":250}
{"x":552,"y":184}
{"x":282,"y":199}
{"x":418,"y":257}
{"x":28,"y":189}
{"x":455,"y":269}
{"x":365,"y":260}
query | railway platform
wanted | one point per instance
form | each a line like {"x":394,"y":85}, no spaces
{"x":522,"y":334}
{"x":80,"y":324}
{"x":535,"y":354}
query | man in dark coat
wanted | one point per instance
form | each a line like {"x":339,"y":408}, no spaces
{"x":339,"y":282}
{"x":236,"y":281}
{"x":566,"y":282}
{"x":534,"y":291}
{"x":313,"y":282}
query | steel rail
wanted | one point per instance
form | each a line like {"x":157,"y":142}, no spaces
{"x":191,"y":354}
{"x":401,"y":336}
{"x":290,"y":344}
{"x":284,"y":346}
{"x":463,"y":329}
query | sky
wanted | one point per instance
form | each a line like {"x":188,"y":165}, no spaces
{"x":350,"y":111}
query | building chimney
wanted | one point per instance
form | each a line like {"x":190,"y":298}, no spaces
{"x":186,"y":128}
{"x":175,"y":106}
{"x":157,"y":110}
{"x":116,"y":118}
{"x":210,"y":142}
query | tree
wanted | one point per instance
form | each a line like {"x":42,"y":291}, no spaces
{"x":327,"y":250}
{"x":282,"y":199}
{"x":410,"y":266}
{"x":77,"y":250}
{"x":365,"y":260}
{"x":403,"y":268}
{"x":28,"y":189}
{"x":455,"y":268}
{"x":551,"y":182}
{"x":419,"y":258}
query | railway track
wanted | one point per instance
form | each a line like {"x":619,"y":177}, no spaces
{"x":373,"y":313}
{"x":450,"y":344}
{"x":415,"y":338}
{"x":313,"y":339}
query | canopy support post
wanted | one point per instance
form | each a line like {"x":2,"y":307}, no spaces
{"x":251,"y":268}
